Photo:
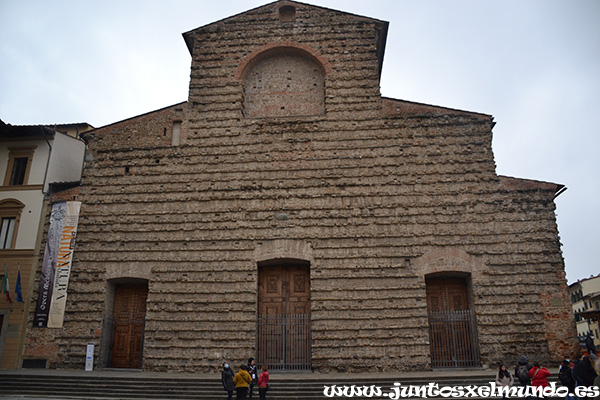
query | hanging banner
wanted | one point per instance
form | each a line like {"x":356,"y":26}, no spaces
{"x":63,"y":265}
{"x":42,"y":308}
{"x":56,"y":267}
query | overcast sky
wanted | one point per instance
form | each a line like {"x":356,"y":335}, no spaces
{"x":532,"y":64}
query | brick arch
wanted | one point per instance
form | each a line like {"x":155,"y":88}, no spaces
{"x":124,"y":271}
{"x":282,"y":81}
{"x":274,"y":46}
{"x":451,"y":261}
{"x":283,"y":249}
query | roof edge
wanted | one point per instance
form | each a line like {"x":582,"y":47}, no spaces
{"x":89,"y":133}
{"x":411,"y":107}
{"x":9,"y":131}
{"x":188,"y":36}
{"x":513,"y":183}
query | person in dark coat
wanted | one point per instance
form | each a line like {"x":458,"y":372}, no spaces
{"x":565,"y":375}
{"x":583,"y":372}
{"x":253,"y":374}
{"x":597,"y":380}
{"x":589,"y":344}
{"x":227,"y":380}
{"x":522,"y":371}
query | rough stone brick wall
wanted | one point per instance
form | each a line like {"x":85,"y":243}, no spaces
{"x":65,"y":195}
{"x":375,"y":193}
{"x":65,"y":348}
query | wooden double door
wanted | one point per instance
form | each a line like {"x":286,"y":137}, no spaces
{"x":452,"y":324}
{"x":129,"y":315}
{"x":283,"y":328}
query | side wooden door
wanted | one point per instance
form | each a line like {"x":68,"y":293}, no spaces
{"x":451,"y":323}
{"x":129,"y":316}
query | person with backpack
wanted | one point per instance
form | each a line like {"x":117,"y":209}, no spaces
{"x":522,"y":371}
{"x":565,"y":376}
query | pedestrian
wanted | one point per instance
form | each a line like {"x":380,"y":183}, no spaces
{"x":597,"y":379}
{"x":565,"y":376}
{"x":242,"y":381}
{"x":522,"y":371}
{"x":253,"y":375}
{"x":227,"y":376}
{"x":583,"y":371}
{"x":589,"y":344}
{"x":539,"y":376}
{"x":263,"y":383}
{"x":503,"y":378}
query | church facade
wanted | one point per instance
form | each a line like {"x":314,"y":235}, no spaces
{"x":289,"y":212}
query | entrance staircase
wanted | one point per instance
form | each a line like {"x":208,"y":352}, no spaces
{"x":69,"y":385}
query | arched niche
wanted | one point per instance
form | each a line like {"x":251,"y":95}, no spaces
{"x":283,"y":81}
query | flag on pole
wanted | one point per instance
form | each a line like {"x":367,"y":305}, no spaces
{"x":18,"y":286}
{"x":5,"y":286}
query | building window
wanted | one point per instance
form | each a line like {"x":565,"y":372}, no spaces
{"x":18,"y":171}
{"x":19,"y":165}
{"x":176,"y":139}
{"x":10,"y":214}
{"x":7,"y":233}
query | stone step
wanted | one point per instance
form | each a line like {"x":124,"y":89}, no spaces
{"x":309,"y":387}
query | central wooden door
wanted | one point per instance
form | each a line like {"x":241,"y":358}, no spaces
{"x":283,"y":336}
{"x":129,"y":316}
{"x":284,"y":290}
{"x":452,"y":327}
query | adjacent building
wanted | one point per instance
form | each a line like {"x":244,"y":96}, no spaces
{"x":288,"y":211}
{"x":33,"y":161}
{"x":585,"y":296}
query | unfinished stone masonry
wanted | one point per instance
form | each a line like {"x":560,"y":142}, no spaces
{"x":285,"y":154}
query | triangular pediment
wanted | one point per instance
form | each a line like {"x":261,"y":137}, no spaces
{"x":305,"y":14}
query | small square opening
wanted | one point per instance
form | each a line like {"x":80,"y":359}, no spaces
{"x":287,"y":14}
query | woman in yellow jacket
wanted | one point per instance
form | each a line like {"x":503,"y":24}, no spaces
{"x":242,"y":379}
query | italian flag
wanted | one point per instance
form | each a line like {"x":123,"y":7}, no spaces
{"x":6,"y":287}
